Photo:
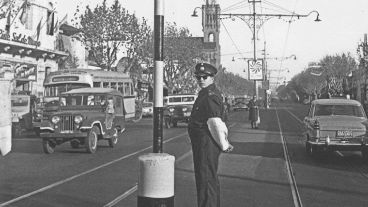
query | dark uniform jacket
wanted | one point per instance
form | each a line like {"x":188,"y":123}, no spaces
{"x":208,"y":104}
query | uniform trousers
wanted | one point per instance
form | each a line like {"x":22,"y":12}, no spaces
{"x":205,"y":157}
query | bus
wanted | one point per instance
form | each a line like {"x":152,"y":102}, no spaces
{"x":65,"y":80}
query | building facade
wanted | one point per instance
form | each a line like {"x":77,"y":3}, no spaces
{"x":211,"y":33}
{"x":28,"y":44}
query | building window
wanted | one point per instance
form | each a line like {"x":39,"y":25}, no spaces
{"x":211,"y":37}
{"x":47,"y":71}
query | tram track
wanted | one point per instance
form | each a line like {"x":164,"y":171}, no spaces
{"x":292,"y":181}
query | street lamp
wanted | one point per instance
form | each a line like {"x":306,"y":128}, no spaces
{"x":195,"y":12}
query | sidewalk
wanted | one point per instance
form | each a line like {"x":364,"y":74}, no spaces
{"x":253,"y":174}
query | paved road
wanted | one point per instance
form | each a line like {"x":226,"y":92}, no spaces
{"x":256,"y":173}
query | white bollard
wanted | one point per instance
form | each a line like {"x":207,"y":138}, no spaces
{"x":156,"y":180}
{"x":5,"y":118}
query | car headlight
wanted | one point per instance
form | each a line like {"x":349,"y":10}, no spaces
{"x":55,"y":119}
{"x":171,"y":109}
{"x":78,"y":119}
{"x":184,"y":109}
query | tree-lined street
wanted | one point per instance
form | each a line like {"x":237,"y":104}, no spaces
{"x":254,"y":174}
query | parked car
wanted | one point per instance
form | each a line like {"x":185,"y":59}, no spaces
{"x":240,"y":103}
{"x":178,"y":108}
{"x":336,"y":124}
{"x":147,"y":109}
{"x":83,"y":119}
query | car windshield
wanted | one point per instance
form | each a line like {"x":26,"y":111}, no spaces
{"x":83,"y":100}
{"x":346,"y":110}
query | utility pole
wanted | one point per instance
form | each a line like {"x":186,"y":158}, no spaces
{"x":250,"y":20}
{"x":254,"y":42}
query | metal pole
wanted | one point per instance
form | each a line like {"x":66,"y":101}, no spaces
{"x":254,"y":45}
{"x":156,"y":170}
{"x":158,"y":76}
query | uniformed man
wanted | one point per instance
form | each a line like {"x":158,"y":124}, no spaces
{"x":207,"y":107}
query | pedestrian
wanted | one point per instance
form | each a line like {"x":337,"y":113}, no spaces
{"x":207,"y":110}
{"x":110,"y":113}
{"x":253,"y":112}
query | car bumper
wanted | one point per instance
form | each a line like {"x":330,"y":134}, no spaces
{"x":352,"y":144}
{"x":64,"y":135}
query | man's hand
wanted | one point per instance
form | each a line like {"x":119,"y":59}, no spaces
{"x":229,"y":149}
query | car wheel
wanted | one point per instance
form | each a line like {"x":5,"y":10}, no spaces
{"x":365,"y":153}
{"x":48,"y":146}
{"x":91,"y":140}
{"x":114,"y":139}
{"x":74,"y":144}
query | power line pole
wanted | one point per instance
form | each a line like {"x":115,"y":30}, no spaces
{"x":250,"y":20}
{"x":254,"y":42}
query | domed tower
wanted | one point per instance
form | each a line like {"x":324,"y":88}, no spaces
{"x":211,"y":32}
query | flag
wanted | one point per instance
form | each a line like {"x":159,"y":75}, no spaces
{"x":39,"y":29}
{"x":56,"y":29}
{"x":59,"y":23}
{"x":64,"y":20}
{"x":8,"y":22}
{"x":23,"y":15}
{"x":50,"y":23}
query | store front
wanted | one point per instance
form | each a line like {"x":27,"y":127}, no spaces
{"x":26,"y":62}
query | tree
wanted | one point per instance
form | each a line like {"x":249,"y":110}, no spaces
{"x":329,"y":79}
{"x":231,"y":84}
{"x":182,"y":52}
{"x":108,"y":30}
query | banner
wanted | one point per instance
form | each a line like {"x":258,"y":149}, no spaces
{"x":255,"y":69}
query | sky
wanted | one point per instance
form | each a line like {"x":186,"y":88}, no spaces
{"x":342,"y":28}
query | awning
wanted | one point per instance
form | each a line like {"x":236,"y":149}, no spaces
{"x":15,"y":48}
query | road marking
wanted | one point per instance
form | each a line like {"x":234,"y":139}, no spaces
{"x":292,"y":181}
{"x":83,"y":173}
{"x":135,"y":188}
{"x":123,"y":196}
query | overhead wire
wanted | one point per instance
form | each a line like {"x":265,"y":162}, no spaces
{"x":227,"y":32}
{"x":234,"y":6}
{"x":285,"y":45}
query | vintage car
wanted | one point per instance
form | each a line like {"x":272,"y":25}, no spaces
{"x":240,"y":103}
{"x":336,"y":124}
{"x":147,"y":109}
{"x":82,"y":119}
{"x":178,"y":108}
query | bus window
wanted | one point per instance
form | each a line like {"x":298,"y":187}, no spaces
{"x":121,"y":87}
{"x":127,"y":89}
{"x":131,"y":89}
{"x":113,"y":85}
{"x":106,"y":85}
{"x":96,"y":84}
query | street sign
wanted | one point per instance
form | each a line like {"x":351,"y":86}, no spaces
{"x":255,"y":69}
